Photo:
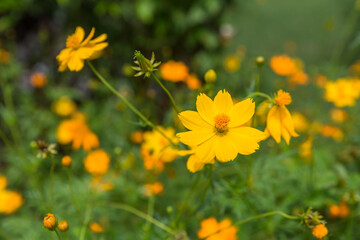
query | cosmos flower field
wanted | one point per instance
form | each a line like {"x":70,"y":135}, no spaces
{"x":154,"y":119}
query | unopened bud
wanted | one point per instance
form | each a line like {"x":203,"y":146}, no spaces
{"x":210,"y":76}
{"x":66,"y":161}
{"x":50,"y":221}
{"x":260,"y":61}
{"x":63,"y":226}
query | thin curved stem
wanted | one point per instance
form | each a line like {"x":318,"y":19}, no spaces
{"x":86,"y":221}
{"x":167,"y":92}
{"x":261,"y":95}
{"x":57,"y":234}
{"x":132,"y":107}
{"x":143,"y":216}
{"x":150,"y":213}
{"x":267,"y":215}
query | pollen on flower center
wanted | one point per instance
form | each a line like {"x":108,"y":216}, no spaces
{"x":221,"y":122}
{"x":283,"y":98}
{"x":72,"y":41}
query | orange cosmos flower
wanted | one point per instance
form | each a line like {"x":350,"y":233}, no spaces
{"x":79,"y":49}
{"x":217,"y":129}
{"x":283,"y":65}
{"x":299,"y":77}
{"x":193,"y":82}
{"x":319,"y":231}
{"x":174,"y":71}
{"x":38,"y":80}
{"x":279,"y":121}
{"x":96,"y":227}
{"x":97,"y":162}
{"x":211,"y":229}
{"x":153,"y":189}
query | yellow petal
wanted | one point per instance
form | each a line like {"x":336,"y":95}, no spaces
{"x":87,"y":40}
{"x":287,"y":121}
{"x":274,"y":123}
{"x":193,"y":121}
{"x":185,"y":152}
{"x":84,"y":52}
{"x":245,"y":144}
{"x":241,"y":113}
{"x":205,"y":151}
{"x":286,"y":135}
{"x":100,"y":38}
{"x":194,"y":164}
{"x":206,"y":108}
{"x":64,"y":54}
{"x":194,"y":138}
{"x":223,"y":102}
{"x":75,"y":63}
{"x":100,"y":46}
{"x":250,"y":132}
{"x":80,"y":33}
{"x":225,"y":148}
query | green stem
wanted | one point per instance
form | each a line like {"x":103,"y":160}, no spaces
{"x":52,"y":169}
{"x":150,"y":213}
{"x":137,"y":112}
{"x":85,"y":223}
{"x":167,"y":92}
{"x":72,"y":194}
{"x":66,"y":236}
{"x":202,"y":199}
{"x":9,"y":104}
{"x":143,"y":216}
{"x":261,"y":95}
{"x":57,"y":234}
{"x":266,"y":215}
{"x":258,"y":78}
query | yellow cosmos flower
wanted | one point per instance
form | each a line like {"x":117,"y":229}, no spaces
{"x":217,"y":130}
{"x":79,"y":49}
{"x":64,"y":106}
{"x":279,"y":121}
{"x":10,"y":201}
{"x":343,"y":92}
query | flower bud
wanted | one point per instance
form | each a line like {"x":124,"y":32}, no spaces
{"x":260,"y":61}
{"x":66,"y":161}
{"x":210,"y":76}
{"x":63,"y":226}
{"x":50,"y":221}
{"x":145,"y":66}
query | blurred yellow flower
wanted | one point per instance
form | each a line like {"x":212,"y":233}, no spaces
{"x":77,"y":131}
{"x":96,"y":227}
{"x":319,"y":231}
{"x":283,"y":65}
{"x":217,"y":129}
{"x":301,"y":124}
{"x":211,"y":229}
{"x":64,"y":106}
{"x":97,"y":162}
{"x":339,"y":115}
{"x":343,"y":92}
{"x":79,"y":49}
{"x":279,"y":121}
{"x":193,"y":82}
{"x":10,"y":201}
{"x":306,"y":149}
{"x":174,"y":71}
{"x":155,"y":188}
{"x":232,"y":63}
{"x":99,"y":184}
{"x":332,"y":132}
{"x":38,"y":79}
{"x":355,"y":68}
{"x":137,"y":137}
{"x":151,"y":162}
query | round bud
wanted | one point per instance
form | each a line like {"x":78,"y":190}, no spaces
{"x":210,"y":76}
{"x":50,"y":221}
{"x":63,"y":226}
{"x":66,"y":161}
{"x":260,"y":61}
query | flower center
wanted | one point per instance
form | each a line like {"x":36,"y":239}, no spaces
{"x":221,"y":122}
{"x":283,"y":98}
{"x":72,"y":41}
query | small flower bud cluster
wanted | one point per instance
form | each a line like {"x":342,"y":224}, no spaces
{"x":51,"y":224}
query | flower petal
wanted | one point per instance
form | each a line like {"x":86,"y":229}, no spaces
{"x":194,"y":164}
{"x":274,"y":123}
{"x":75,"y":63}
{"x":206,"y":108}
{"x":80,"y":33}
{"x":225,"y":148}
{"x":193,"y":121}
{"x":87,"y":40}
{"x":241,"y":113}
{"x":100,"y":46}
{"x":194,"y":138}
{"x":205,"y":151}
{"x":223,"y":102}
{"x":244,"y":143}
{"x":84,"y":52}
{"x":253,"y":133}
{"x":100,"y":38}
{"x":287,"y":122}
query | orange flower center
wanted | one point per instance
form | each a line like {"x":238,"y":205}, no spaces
{"x":73,"y":41}
{"x":283,"y":98}
{"x":221,"y":122}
